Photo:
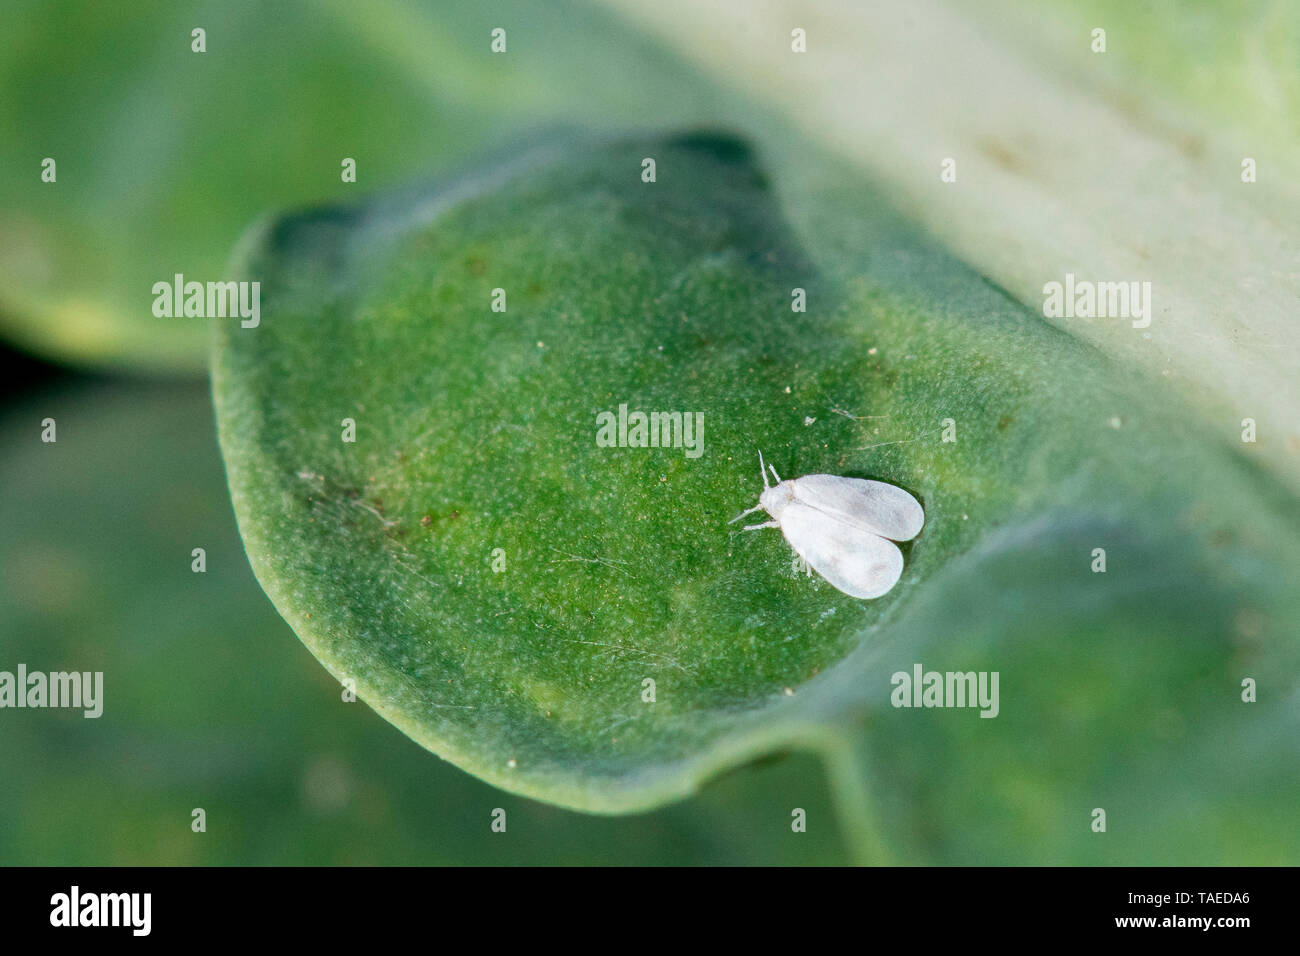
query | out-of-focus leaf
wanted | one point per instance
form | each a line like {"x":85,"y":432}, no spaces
{"x":165,"y":155}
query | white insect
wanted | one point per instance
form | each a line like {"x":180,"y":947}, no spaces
{"x":844,"y":528}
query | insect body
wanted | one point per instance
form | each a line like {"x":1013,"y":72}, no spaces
{"x":844,"y":528}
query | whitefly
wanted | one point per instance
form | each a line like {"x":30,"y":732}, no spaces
{"x":843,"y":528}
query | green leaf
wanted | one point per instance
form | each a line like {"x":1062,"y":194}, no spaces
{"x":476,"y":431}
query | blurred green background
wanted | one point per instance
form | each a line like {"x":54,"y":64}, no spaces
{"x":211,"y":701}
{"x":165,"y":155}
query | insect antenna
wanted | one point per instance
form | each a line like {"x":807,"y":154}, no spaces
{"x":743,"y":513}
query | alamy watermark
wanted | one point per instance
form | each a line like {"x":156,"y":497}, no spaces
{"x":75,"y":908}
{"x":1084,"y":299}
{"x":922,"y":688}
{"x":74,"y":689}
{"x":211,"y":300}
{"x":653,"y":430}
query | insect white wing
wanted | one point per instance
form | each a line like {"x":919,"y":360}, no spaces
{"x":858,"y":562}
{"x":874,"y":506}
